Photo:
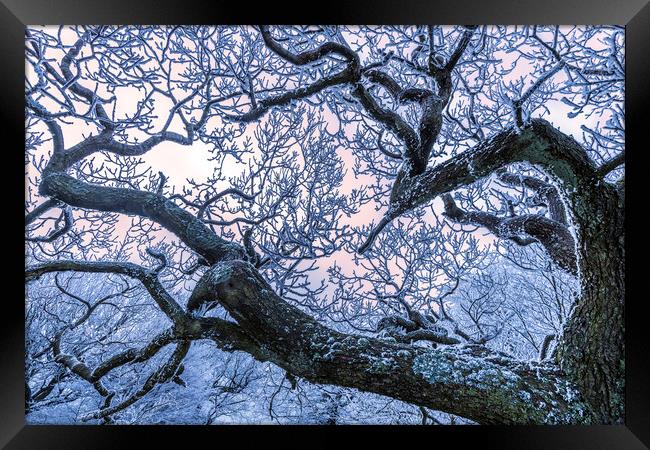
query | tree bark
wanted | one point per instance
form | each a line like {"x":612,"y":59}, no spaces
{"x":592,"y":349}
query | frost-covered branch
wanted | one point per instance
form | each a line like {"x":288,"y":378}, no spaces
{"x":523,"y":230}
{"x":538,"y":144}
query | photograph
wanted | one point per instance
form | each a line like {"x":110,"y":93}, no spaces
{"x":324,"y":224}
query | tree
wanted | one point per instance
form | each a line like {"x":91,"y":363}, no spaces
{"x":444,"y":130}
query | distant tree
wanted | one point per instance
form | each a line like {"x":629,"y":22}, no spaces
{"x":382,"y":208}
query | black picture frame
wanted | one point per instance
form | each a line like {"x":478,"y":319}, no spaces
{"x":16,"y":14}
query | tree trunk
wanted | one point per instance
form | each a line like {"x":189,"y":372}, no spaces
{"x":591,"y":351}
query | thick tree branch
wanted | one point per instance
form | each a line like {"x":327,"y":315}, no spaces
{"x":418,"y":147}
{"x":442,"y":75}
{"x":612,"y":164}
{"x":416,"y":328}
{"x":161,"y":375}
{"x":543,"y":189}
{"x":69,"y":81}
{"x":105,"y":142}
{"x":351,"y":73}
{"x":538,"y":143}
{"x":66,"y":215}
{"x":552,"y":235}
{"x":546,"y":344}
{"x":385,"y":151}
{"x":492,"y":390}
{"x":345,"y":76}
{"x":133,"y":355}
{"x":460,"y":49}
{"x":385,"y":80}
{"x":186,"y":226}
{"x":78,"y":368}
{"x":374,"y":232}
{"x":58,"y":142}
{"x":308,"y":56}
{"x":227,"y":335}
{"x":389,"y":118}
{"x":40,"y":209}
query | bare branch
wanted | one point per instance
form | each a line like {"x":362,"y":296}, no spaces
{"x":300,"y":345}
{"x":147,"y":277}
{"x":612,"y":164}
{"x":554,"y":202}
{"x":351,"y":73}
{"x":554,"y":236}
{"x":160,"y":376}
{"x":40,"y":209}
{"x":146,"y":204}
{"x":66,"y":214}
